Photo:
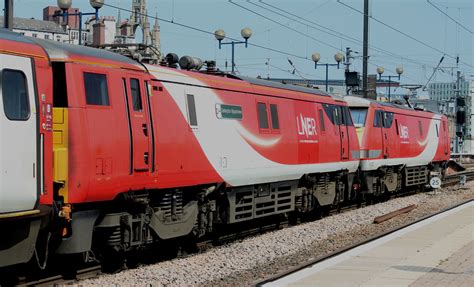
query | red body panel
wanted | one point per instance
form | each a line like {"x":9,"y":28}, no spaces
{"x":100,"y":141}
{"x":407,"y":137}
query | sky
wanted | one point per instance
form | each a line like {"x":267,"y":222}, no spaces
{"x":424,"y":34}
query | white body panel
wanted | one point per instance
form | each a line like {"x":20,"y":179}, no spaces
{"x":18,"y":182}
{"x":224,"y":144}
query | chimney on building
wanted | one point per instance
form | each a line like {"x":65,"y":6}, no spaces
{"x":98,"y":34}
{"x":49,"y":13}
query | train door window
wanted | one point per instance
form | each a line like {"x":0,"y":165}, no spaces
{"x":337,"y":115}
{"x":420,"y":127}
{"x":396,"y":126}
{"x":321,"y":121}
{"x":59,"y":85}
{"x":347,"y":117}
{"x":262,"y":115}
{"x":96,"y":89}
{"x":192,"y":116}
{"x":330,"y":112}
{"x":378,"y":119}
{"x":274,"y":116}
{"x":437,"y":132}
{"x":15,"y":95}
{"x":387,"y":120}
{"x":136,"y":95}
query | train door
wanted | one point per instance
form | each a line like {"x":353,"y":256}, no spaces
{"x":379,"y":123}
{"x":342,"y":121}
{"x":138,"y":123}
{"x":386,"y":133}
{"x":18,"y":135}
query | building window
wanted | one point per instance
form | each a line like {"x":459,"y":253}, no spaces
{"x":262,"y":115}
{"x":136,"y":95}
{"x":35,"y":35}
{"x":96,"y":89}
{"x":46,"y":36}
{"x":274,"y":115}
{"x":192,"y":116}
{"x":15,"y":95}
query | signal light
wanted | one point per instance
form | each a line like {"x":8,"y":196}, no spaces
{"x":461,"y":117}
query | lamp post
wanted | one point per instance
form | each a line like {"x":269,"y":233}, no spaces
{"x":381,"y":70}
{"x":339,"y":57}
{"x":66,"y":4}
{"x":220,"y":35}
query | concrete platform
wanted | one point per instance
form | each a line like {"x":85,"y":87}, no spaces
{"x":438,"y":251}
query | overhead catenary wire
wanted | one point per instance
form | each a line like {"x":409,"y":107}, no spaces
{"x":334,"y":32}
{"x":447,"y":15}
{"x":205,"y":31}
{"x":288,"y":27}
{"x":403,"y":33}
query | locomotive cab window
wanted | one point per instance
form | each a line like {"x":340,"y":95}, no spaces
{"x":192,"y":116}
{"x":274,"y":115}
{"x":96,"y":89}
{"x":387,"y":119}
{"x":262,"y":115}
{"x":347,"y":117}
{"x":420,"y":127}
{"x":378,"y":120}
{"x":136,"y":95}
{"x":15,"y":95}
{"x":359,"y":116}
{"x":330,"y":112}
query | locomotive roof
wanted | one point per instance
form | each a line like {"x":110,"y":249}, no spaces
{"x":63,"y":51}
{"x":277,"y":85}
{"x":363,"y":102}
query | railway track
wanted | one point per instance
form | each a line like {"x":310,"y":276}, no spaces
{"x":202,"y":246}
{"x":454,"y":179}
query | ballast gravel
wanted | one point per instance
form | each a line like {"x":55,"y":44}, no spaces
{"x":245,"y":262}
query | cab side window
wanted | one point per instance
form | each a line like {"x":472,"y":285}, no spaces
{"x":96,"y":89}
{"x":262,"y":115}
{"x":274,"y":116}
{"x":15,"y":95}
{"x":388,"y":119}
{"x":378,"y":120}
{"x":136,"y":95}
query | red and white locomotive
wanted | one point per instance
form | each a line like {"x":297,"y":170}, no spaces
{"x":103,"y":153}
